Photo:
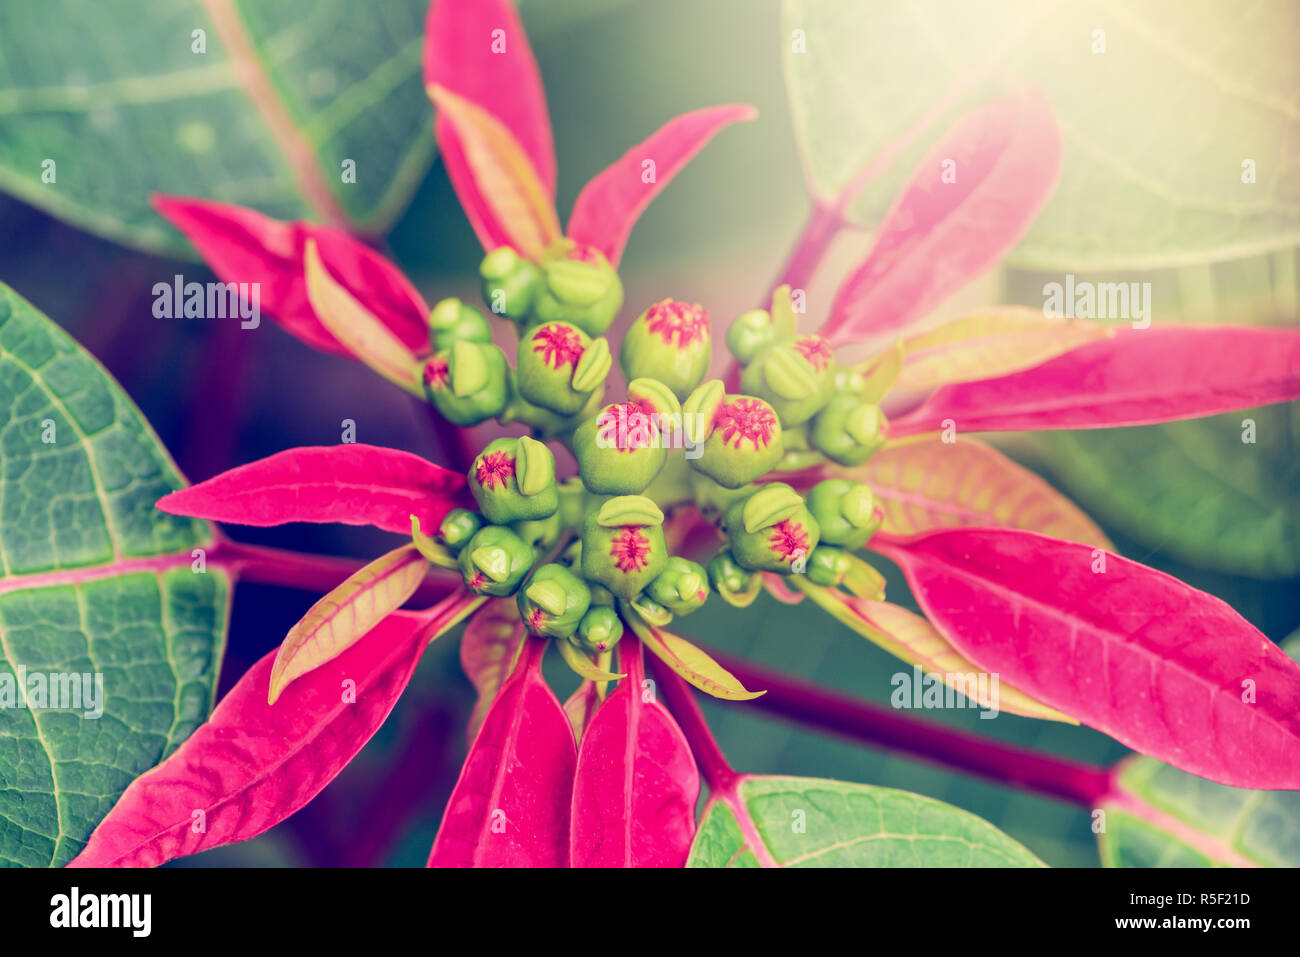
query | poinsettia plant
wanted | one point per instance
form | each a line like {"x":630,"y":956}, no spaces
{"x":777,"y":464}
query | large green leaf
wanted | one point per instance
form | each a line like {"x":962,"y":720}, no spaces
{"x":1163,"y":817}
{"x":807,"y":822}
{"x":93,"y":580}
{"x":284,"y":94}
{"x":1156,"y":128}
{"x":1194,"y":489}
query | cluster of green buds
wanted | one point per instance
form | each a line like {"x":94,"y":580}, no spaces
{"x":823,"y":407}
{"x":580,"y":555}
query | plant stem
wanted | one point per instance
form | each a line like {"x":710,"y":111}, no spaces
{"x":829,"y":710}
{"x":823,"y":225}
{"x":718,"y":774}
{"x":319,"y":573}
{"x":452,"y":440}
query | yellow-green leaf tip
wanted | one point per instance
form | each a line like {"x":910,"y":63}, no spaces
{"x":629,"y":510}
{"x":534,"y":466}
{"x":492,"y":561}
{"x":469,"y":371}
{"x":769,"y":506}
{"x":591,"y":370}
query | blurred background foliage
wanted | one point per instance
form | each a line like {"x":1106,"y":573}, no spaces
{"x":122,"y":105}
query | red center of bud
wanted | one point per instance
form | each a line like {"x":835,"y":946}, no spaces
{"x":477,"y":581}
{"x":789,"y":540}
{"x":630,"y":549}
{"x":745,"y":420}
{"x":494,"y":469}
{"x":816,"y":350}
{"x":559,"y":345}
{"x":436,"y":373}
{"x":584,"y":254}
{"x":670,"y":318}
{"x":535,"y":619}
{"x":626,"y":426}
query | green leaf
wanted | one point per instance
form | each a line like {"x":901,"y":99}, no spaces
{"x":807,"y":822}
{"x":93,"y":580}
{"x":1156,"y":128}
{"x":1193,"y":489}
{"x":1163,"y":817}
{"x":285,"y":93}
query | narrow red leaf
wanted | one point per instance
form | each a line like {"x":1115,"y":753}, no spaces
{"x":609,"y":206}
{"x":242,"y":245}
{"x":510,"y":807}
{"x":251,"y":765}
{"x":506,"y":192}
{"x":352,"y":484}
{"x":487,"y":654}
{"x":970,"y":200}
{"x":1167,"y":670}
{"x":478,"y":50}
{"x":636,"y":786}
{"x":1138,"y":377}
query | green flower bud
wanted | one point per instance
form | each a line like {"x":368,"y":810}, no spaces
{"x":468,"y":382}
{"x":711,"y":498}
{"x":623,"y":545}
{"x":451,"y":320}
{"x":669,"y":342}
{"x":619,"y":450}
{"x":495,"y":561}
{"x":458,"y":527}
{"x":681,"y":587}
{"x":846,"y":511}
{"x":750,"y":332}
{"x":600,"y":595}
{"x":599,"y":630}
{"x":514,"y":480}
{"x":653,"y":612}
{"x":794,"y":375}
{"x":510,"y":284}
{"x":848,"y":430}
{"x":741,"y":438}
{"x":573,"y":502}
{"x":550,"y":358}
{"x":736,"y":584}
{"x":578,"y":286}
{"x":828,"y":565}
{"x":541,"y":533}
{"x":772,"y":530}
{"x":553,"y":601}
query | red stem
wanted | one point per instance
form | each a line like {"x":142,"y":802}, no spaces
{"x":320,"y":573}
{"x":718,"y":774}
{"x":1078,"y":783}
{"x":824,"y":224}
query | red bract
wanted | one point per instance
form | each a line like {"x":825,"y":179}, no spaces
{"x":241,"y":245}
{"x":1169,"y":670}
{"x":968,"y":203}
{"x":510,"y":806}
{"x":1138,"y":377}
{"x":251,"y":764}
{"x":352,"y":484}
{"x":478,"y":51}
{"x":636,"y":786}
{"x":609,"y":206}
